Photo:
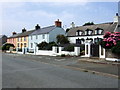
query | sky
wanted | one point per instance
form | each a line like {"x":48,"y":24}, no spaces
{"x":15,"y":16}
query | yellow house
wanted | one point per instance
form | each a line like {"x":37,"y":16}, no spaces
{"x":22,"y":40}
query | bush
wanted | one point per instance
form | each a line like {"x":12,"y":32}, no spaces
{"x":14,"y":49}
{"x":61,"y":39}
{"x":46,"y":46}
{"x":111,"y":41}
{"x":116,"y":49}
{"x":82,"y":52}
{"x":63,"y":55}
{"x":69,"y":48}
{"x":50,"y":45}
{"x":7,"y":46}
{"x":42,"y":45}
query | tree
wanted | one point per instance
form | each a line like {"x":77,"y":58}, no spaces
{"x":42,"y":45}
{"x":88,"y":23}
{"x":7,"y":46}
{"x":61,"y":39}
{"x":46,"y":46}
{"x":67,"y":30}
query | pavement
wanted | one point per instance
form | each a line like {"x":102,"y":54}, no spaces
{"x":23,"y":71}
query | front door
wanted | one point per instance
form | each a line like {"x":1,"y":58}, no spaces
{"x":95,"y":50}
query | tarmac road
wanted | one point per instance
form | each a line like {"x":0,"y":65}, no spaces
{"x":25,"y":72}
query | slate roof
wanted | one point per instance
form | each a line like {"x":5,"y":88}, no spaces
{"x":105,"y":26}
{"x":2,"y":36}
{"x":43,"y":30}
{"x":25,"y":33}
{"x":14,"y":36}
{"x":22,"y":34}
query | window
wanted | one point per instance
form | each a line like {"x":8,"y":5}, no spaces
{"x":18,"y":45}
{"x":18,"y":39}
{"x":21,"y":39}
{"x":31,"y":37}
{"x":31,"y":45}
{"x":79,"y":32}
{"x":24,"y":38}
{"x":36,"y":36}
{"x":98,"y":31}
{"x":24,"y":44}
{"x":43,"y":36}
{"x":88,"y":32}
{"x":78,"y":41}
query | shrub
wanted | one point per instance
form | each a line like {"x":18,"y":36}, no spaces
{"x":7,"y":46}
{"x":14,"y":49}
{"x":112,"y":41}
{"x":116,"y":48}
{"x":42,"y":45}
{"x":69,"y":48}
{"x":46,"y":46}
{"x":61,"y":39}
{"x":62,"y":55}
{"x":82,"y":52}
{"x":50,"y":45}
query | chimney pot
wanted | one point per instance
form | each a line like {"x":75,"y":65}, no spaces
{"x":14,"y":33}
{"x":37,"y":27}
{"x":58,"y":23}
{"x":23,"y":30}
{"x":117,"y":14}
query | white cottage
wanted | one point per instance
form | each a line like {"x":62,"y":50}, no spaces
{"x":89,"y":35}
{"x":79,"y":35}
{"x":47,"y":34}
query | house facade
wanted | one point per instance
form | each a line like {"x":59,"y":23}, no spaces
{"x":46,"y":34}
{"x":90,"y":35}
{"x":79,"y":35}
{"x":13,"y":39}
{"x":22,"y":40}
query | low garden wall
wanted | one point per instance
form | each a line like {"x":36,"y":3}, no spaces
{"x":44,"y":52}
{"x":67,"y":53}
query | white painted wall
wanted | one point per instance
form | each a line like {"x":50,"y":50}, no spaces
{"x":101,"y":56}
{"x":50,"y":37}
{"x":37,"y":40}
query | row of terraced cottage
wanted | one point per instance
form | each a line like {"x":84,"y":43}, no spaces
{"x":89,"y":35}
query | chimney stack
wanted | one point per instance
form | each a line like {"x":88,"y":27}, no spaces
{"x":37,"y":27}
{"x":117,"y":19}
{"x":14,"y":33}
{"x":73,"y":24}
{"x":24,"y":30}
{"x":58,"y":23}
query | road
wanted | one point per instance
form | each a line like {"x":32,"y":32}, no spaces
{"x":25,"y":72}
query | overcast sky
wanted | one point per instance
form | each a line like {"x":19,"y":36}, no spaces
{"x":18,"y":15}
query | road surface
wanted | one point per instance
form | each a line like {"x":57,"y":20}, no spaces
{"x":24,"y":72}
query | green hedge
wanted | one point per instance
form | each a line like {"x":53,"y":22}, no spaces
{"x":46,"y":46}
{"x":69,"y":48}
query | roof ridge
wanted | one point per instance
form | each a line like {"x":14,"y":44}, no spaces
{"x":94,"y":24}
